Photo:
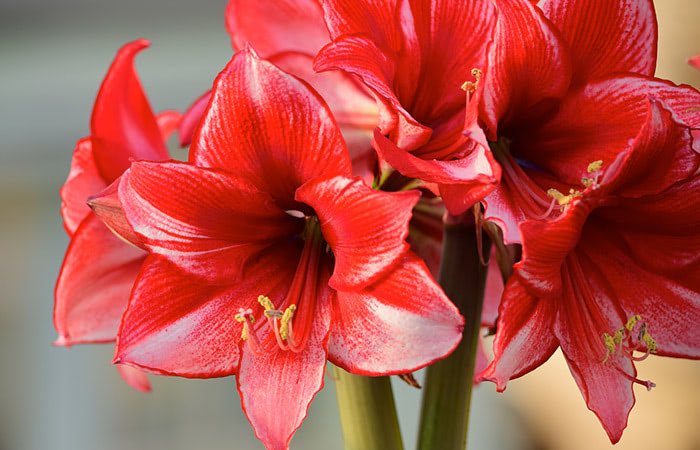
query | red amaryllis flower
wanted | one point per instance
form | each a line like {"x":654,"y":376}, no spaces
{"x":415,"y":56}
{"x":550,"y":99}
{"x":615,"y":273}
{"x":289,"y":33}
{"x":99,"y":269}
{"x":267,"y":259}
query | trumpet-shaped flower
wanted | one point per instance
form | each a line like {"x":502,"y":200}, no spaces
{"x":99,"y":269}
{"x":614,"y":277}
{"x":268,"y":259}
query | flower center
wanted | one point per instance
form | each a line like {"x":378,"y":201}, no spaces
{"x":289,"y":324}
{"x":621,"y":344}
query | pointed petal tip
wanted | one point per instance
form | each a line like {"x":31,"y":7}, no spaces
{"x":61,"y":341}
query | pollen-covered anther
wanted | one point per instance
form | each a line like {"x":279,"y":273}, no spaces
{"x":470,"y":86}
{"x":285,"y":321}
{"x":622,"y":339}
{"x":595,"y":169}
{"x":560,"y":198}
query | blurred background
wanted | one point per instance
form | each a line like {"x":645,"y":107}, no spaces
{"x":53,"y":55}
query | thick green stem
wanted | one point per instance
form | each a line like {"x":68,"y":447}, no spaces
{"x":448,"y":383}
{"x":367,"y":412}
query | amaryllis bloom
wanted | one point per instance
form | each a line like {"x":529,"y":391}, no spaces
{"x":289,"y":33}
{"x":416,"y":56}
{"x":268,"y":259}
{"x":99,"y":269}
{"x":614,"y":277}
{"x":555,"y":95}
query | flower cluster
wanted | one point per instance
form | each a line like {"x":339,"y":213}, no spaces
{"x":306,"y":225}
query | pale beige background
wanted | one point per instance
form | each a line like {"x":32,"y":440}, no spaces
{"x":53,"y":55}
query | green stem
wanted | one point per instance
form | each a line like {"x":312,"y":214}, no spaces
{"x":448,"y":383}
{"x":367,"y":412}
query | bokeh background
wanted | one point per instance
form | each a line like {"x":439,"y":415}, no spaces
{"x":53,"y":55}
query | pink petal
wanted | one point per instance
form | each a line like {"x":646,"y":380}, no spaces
{"x":501,"y":207}
{"x":93,"y":287}
{"x":83,"y":181}
{"x":606,"y":36}
{"x":276,"y":388}
{"x":192,"y":118}
{"x":136,"y":378}
{"x":273,"y":27}
{"x":168,"y":122}
{"x":493,"y":292}
{"x":268,"y":127}
{"x":524,"y":338}
{"x":586,"y":312}
{"x":528,"y":67}
{"x":123,"y":125}
{"x":176,"y":325}
{"x":399,"y":324}
{"x":365,"y":228}
{"x":206,"y":222}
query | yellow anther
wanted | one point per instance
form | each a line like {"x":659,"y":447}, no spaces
{"x":645,"y":337}
{"x":595,"y":166}
{"x":284,"y":322}
{"x":559,"y":197}
{"x":470,"y":86}
{"x":632,"y":321}
{"x":266,"y":303}
{"x":588,"y":182}
{"x":244,"y":334}
{"x":609,"y":344}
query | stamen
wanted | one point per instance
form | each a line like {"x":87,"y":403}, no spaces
{"x":622,"y":340}
{"x":470,"y":86}
{"x":595,"y":166}
{"x":286,"y":321}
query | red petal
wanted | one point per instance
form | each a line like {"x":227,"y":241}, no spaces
{"x":477,"y":169}
{"x":547,"y":243}
{"x":107,"y":206}
{"x":123,"y":125}
{"x":93,"y":287}
{"x":353,"y":107}
{"x":453,"y":37}
{"x":136,"y":378}
{"x":399,"y":324}
{"x":661,"y":155}
{"x":206,"y":222}
{"x":695,"y":61}
{"x":606,"y":36}
{"x":366,"y":229}
{"x":586,"y":312}
{"x":272,"y":27}
{"x":176,"y":325}
{"x":276,"y":388}
{"x":269,"y":127}
{"x":191,"y":119}
{"x":360,"y":56}
{"x":83,"y":181}
{"x":598,"y":121}
{"x":168,"y":122}
{"x":379,"y":19}
{"x":524,"y":340}
{"x":528,"y":66}
{"x":654,"y":276}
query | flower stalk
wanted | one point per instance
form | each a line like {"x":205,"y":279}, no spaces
{"x":367,"y":412}
{"x":448,"y":383}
